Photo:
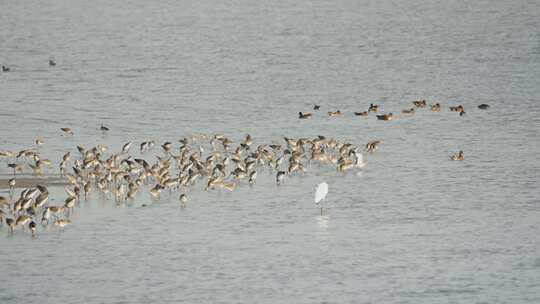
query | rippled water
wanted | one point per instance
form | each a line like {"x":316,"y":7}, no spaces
{"x":413,"y":227}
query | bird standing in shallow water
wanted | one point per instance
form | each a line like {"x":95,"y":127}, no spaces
{"x":67,"y":131}
{"x":62,"y":224}
{"x":320,"y":194}
{"x":280,"y":176}
{"x":183,"y":200}
{"x":12,"y":183}
{"x":11,"y":224}
{"x":252,"y":177}
{"x":33,"y":228}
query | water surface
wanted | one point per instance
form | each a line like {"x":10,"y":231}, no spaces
{"x":413,"y":227}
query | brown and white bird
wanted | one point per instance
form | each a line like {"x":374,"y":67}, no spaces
{"x":67,"y":131}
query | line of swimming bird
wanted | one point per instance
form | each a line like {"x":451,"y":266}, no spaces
{"x":215,"y":161}
{"x":436,"y":107}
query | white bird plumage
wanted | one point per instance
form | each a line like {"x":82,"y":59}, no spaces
{"x":320,"y":193}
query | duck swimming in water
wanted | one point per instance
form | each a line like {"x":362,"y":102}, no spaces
{"x":388,"y":116}
{"x":373,"y":108}
{"x":483,"y":106}
{"x":420,"y":103}
{"x":458,"y":156}
{"x":459,"y":108}
{"x":408,"y":111}
{"x":335,"y":113}
{"x":435,"y":107}
{"x":365,"y":113}
{"x":304,"y":115}
{"x":5,"y":68}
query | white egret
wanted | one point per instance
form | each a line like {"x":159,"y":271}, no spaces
{"x":320,"y":194}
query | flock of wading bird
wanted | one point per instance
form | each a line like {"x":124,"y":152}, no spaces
{"x":214,"y":161}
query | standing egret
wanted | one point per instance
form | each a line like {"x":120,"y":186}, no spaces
{"x":320,"y":194}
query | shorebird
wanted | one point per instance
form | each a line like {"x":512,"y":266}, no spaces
{"x":167,"y":146}
{"x":55,"y":210}
{"x":12,"y":184}
{"x":62,"y":223}
{"x":11,"y":224}
{"x":45,"y":217}
{"x":304,"y":115}
{"x":183,"y":200}
{"x":23,"y":220}
{"x":41,"y":200}
{"x":33,"y":228}
{"x":252,"y":177}
{"x":67,"y":131}
{"x":126,"y":147}
{"x":6,"y":154}
{"x":16,"y":167}
{"x":69,"y":203}
{"x":39,"y":142}
{"x":156,"y":190}
{"x":372,"y":145}
{"x":280,"y":176}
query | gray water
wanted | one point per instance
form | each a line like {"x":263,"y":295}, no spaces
{"x":413,"y":227}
